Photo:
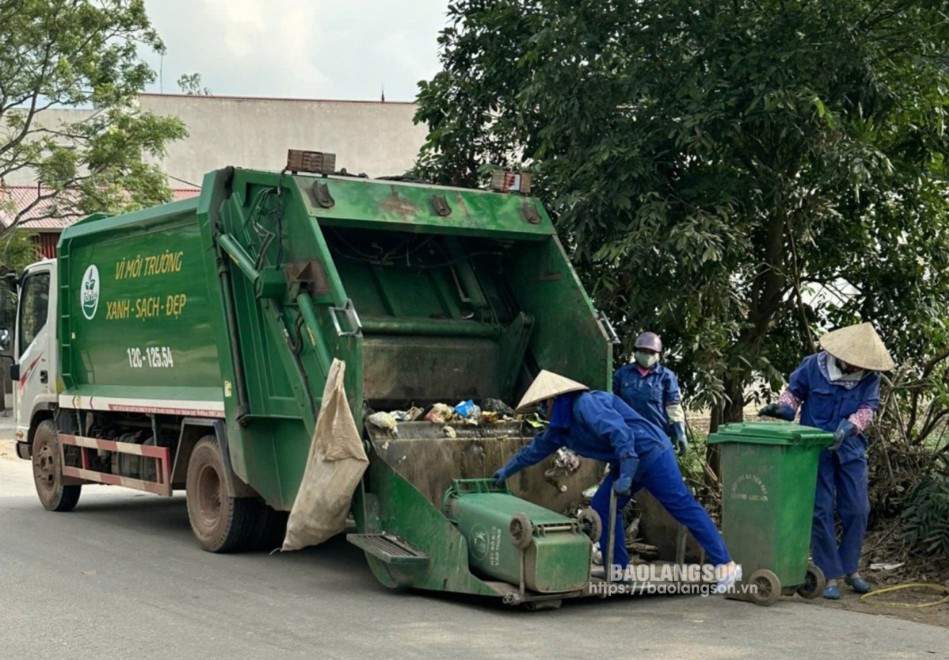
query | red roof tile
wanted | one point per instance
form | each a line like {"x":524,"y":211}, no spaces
{"x":13,"y":199}
{"x":22,"y":196}
{"x":185,"y":193}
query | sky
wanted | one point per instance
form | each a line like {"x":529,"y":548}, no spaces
{"x":313,"y":49}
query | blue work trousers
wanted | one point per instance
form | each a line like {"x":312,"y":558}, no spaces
{"x":841,"y":486}
{"x":664,"y":481}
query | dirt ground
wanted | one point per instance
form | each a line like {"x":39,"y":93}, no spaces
{"x":902,"y":604}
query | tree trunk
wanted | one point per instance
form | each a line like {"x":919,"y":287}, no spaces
{"x":731,"y":410}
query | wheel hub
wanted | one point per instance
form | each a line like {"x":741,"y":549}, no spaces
{"x":209,"y":496}
{"x":45,"y":470}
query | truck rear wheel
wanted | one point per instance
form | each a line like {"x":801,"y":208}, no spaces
{"x":270,"y":528}
{"x":48,"y":470}
{"x":221,"y":523}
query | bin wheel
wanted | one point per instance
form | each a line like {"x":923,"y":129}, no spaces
{"x":521,"y":530}
{"x":590,"y":523}
{"x":538,"y":605}
{"x":766,"y":587}
{"x":814,"y":583}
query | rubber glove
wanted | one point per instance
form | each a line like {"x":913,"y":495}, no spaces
{"x":681,"y":442}
{"x":500,"y":477}
{"x":510,"y":468}
{"x":845,"y":429}
{"x":779,"y":410}
{"x":627,"y":470}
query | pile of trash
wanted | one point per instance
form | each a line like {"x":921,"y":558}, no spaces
{"x":465,"y":413}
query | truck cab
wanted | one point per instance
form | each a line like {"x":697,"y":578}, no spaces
{"x":35,"y":359}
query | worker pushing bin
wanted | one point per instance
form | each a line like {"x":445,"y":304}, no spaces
{"x":769,"y":477}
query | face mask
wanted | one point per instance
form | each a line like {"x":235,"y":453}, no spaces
{"x":646,"y":360}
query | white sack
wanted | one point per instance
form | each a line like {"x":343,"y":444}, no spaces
{"x":334,"y":467}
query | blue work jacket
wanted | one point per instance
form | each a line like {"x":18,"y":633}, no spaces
{"x":825,"y":403}
{"x":600,"y":426}
{"x":648,"y":395}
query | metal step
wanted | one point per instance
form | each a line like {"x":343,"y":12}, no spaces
{"x":389,"y":548}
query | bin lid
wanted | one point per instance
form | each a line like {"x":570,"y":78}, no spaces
{"x":771,"y":433}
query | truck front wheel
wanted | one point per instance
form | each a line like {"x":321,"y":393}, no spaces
{"x":221,"y":523}
{"x":48,"y":470}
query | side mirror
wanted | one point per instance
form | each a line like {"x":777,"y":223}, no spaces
{"x":11,"y":280}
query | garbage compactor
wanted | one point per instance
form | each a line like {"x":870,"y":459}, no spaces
{"x":769,"y":479}
{"x":194,"y":341}
{"x":197,"y":337}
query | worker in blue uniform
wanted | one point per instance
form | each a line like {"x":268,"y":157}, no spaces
{"x":652,"y":390}
{"x":838,"y":390}
{"x":600,"y":426}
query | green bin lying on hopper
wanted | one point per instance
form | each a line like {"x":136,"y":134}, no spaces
{"x":521,"y":543}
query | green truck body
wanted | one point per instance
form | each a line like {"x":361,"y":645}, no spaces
{"x":221,"y":315}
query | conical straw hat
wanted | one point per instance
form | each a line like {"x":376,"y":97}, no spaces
{"x":546,"y":386}
{"x":859,"y":345}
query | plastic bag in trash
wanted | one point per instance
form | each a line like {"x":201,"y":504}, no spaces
{"x":440,"y":414}
{"x":567,"y":460}
{"x":469,"y":412}
{"x":383,"y":420}
{"x":409,"y":415}
{"x":497,"y":406}
{"x":465,"y":407}
{"x":534,"y":421}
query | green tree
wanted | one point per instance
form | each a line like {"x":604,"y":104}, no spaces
{"x":80,"y":54}
{"x":192,"y":85}
{"x":735,"y":175}
{"x":17,"y":250}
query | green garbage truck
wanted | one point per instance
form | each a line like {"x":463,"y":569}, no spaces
{"x":187,"y":346}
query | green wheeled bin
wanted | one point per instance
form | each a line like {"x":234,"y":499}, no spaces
{"x":769,"y":479}
{"x":518,"y":542}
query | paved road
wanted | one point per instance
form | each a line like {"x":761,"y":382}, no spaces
{"x":120,"y":577}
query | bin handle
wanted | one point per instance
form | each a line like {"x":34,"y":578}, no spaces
{"x":349,"y":310}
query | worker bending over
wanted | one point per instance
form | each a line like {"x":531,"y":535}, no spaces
{"x":600,"y":426}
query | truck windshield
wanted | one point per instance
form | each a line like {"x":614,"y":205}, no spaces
{"x":34,"y":308}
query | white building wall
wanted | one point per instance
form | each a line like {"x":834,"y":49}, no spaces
{"x":372,"y":137}
{"x":51,"y":119}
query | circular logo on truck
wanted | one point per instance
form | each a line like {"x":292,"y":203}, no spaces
{"x":89,"y":292}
